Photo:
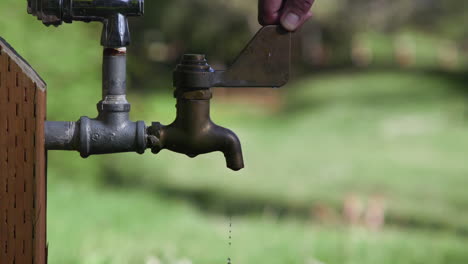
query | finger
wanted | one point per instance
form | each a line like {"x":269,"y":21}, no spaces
{"x":295,"y":13}
{"x":269,"y":11}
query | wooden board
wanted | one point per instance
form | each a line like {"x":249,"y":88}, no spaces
{"x":22,"y":161}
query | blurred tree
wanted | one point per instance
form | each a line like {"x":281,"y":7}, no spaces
{"x":171,"y":28}
{"x":220,"y":29}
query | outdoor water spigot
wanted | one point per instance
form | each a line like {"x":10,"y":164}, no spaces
{"x":264,"y":62}
{"x":112,"y":13}
{"x":193,"y":133}
{"x":111,"y":131}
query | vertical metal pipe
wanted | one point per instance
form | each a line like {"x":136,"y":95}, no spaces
{"x":114,"y":72}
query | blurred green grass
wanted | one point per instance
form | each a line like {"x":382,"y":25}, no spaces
{"x":100,"y":225}
{"x":397,"y":135}
{"x":392,"y":134}
{"x":68,"y":58}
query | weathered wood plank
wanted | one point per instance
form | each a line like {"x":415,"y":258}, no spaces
{"x":22,"y":161}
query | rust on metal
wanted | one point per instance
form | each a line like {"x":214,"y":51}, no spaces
{"x":22,"y":161}
{"x":115,"y":51}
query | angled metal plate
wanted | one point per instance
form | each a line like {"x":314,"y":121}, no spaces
{"x":265,"y":62}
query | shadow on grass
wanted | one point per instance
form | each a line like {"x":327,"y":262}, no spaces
{"x":212,"y":202}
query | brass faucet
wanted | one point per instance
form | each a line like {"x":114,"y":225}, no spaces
{"x":193,"y":133}
{"x":264,"y":63}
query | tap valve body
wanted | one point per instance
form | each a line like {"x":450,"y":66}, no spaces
{"x":193,"y":132}
{"x":263,"y":63}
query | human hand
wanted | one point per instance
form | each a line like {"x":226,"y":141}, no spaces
{"x":291,"y":14}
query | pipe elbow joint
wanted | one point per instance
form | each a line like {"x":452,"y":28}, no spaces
{"x":100,"y":137}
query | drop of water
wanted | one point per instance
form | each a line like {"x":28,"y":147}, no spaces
{"x":230,"y":238}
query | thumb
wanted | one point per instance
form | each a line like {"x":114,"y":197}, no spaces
{"x":295,"y":13}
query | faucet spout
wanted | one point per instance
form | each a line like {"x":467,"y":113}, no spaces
{"x":231,"y":147}
{"x":193,"y":132}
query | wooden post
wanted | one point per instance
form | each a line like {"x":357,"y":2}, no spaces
{"x":22,"y":161}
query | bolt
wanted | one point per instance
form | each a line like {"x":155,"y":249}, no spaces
{"x":95,"y":137}
{"x":153,"y":141}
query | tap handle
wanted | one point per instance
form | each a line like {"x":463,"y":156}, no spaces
{"x":116,"y":32}
{"x":264,"y":62}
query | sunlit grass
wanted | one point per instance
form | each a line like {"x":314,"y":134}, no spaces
{"x":400,"y":136}
{"x":100,"y":225}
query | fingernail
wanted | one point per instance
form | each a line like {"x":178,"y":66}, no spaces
{"x":290,"y":21}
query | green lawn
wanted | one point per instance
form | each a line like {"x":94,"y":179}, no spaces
{"x":400,"y":136}
{"x":95,"y":225}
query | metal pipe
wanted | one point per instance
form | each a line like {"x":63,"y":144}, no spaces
{"x":112,"y":13}
{"x":83,"y":9}
{"x":114,"y":72}
{"x":116,"y":134}
{"x":114,"y":78}
{"x":61,"y":135}
{"x":57,"y":11}
{"x":112,"y":131}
